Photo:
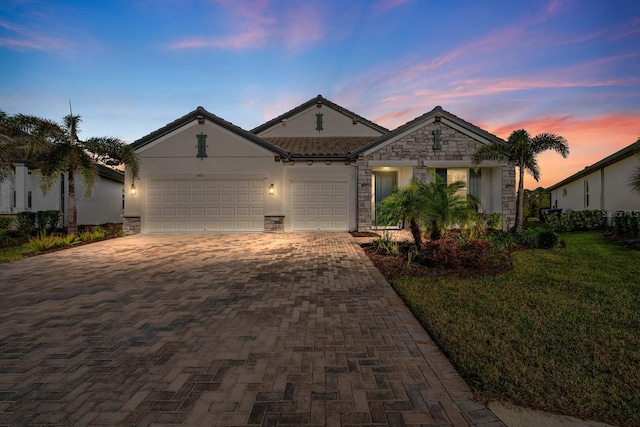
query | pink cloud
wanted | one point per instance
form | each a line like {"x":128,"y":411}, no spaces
{"x":250,"y":39}
{"x":27,"y":39}
{"x":385,"y":5}
{"x":303,"y":26}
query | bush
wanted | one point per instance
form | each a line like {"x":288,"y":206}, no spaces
{"x":627,"y":224}
{"x":577,"y":220}
{"x":48,"y":220}
{"x":386,"y":245}
{"x":454,"y":252}
{"x":494,"y":221}
{"x":537,"y":238}
{"x":5,"y":223}
{"x":45,"y":242}
{"x":26,"y":223}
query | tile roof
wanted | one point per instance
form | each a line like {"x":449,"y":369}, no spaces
{"x":319,"y":145}
{"x":312,"y":102}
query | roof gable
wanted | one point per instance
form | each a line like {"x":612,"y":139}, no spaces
{"x":622,"y":154}
{"x":435,"y":115}
{"x":318,"y":101}
{"x":201,"y":114}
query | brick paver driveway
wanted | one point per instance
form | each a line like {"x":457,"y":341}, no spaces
{"x":235,"y":329}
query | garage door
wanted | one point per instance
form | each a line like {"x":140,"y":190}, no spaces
{"x":204,"y":205}
{"x":319,"y":206}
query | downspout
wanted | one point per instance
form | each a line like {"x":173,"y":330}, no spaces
{"x":355,"y":165}
{"x":602,"y":189}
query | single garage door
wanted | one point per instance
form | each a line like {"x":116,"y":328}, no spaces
{"x":204,"y":205}
{"x":319,"y":205}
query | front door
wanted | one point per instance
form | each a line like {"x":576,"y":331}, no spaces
{"x":385,"y":182}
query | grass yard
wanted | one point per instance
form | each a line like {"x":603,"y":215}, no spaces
{"x":560,"y":333}
{"x":14,"y":253}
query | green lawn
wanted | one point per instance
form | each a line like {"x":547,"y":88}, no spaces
{"x":15,"y":253}
{"x":561,"y":332}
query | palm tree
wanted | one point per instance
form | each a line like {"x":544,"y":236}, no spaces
{"x":56,"y":149}
{"x":444,"y":206}
{"x":434,"y":206}
{"x":521,"y":149}
{"x":404,"y":204}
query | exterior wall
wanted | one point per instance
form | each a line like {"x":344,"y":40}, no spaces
{"x":456,"y":151}
{"x":103,"y":206}
{"x":229,"y":156}
{"x":618,"y":196}
{"x":334,"y":123}
{"x":608,"y":190}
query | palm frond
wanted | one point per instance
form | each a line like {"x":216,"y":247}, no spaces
{"x":492,"y":152}
{"x":634,"y":180}
{"x":113,"y":152}
{"x":57,"y":162}
{"x":86,"y":168}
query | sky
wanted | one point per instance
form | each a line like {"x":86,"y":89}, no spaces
{"x":128,"y":67}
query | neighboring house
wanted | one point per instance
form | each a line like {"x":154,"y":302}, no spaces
{"x":316,"y":167}
{"x":21,"y":192}
{"x":603,"y":185}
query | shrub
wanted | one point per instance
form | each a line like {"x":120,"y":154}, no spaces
{"x":386,"y":245}
{"x":537,"y":238}
{"x":494,"y":221}
{"x":48,"y":220}
{"x":577,"y":220}
{"x":44,"y":242}
{"x":455,"y":251}
{"x":5,"y":223}
{"x":26,"y":222}
{"x":627,"y":224}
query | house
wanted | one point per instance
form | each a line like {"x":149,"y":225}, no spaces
{"x":316,"y":167}
{"x":603,"y":185}
{"x":21,"y":192}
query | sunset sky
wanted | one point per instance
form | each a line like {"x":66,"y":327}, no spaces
{"x":570,"y":67}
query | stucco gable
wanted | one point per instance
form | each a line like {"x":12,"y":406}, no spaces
{"x":201,"y":114}
{"x":365,"y":127}
{"x":437,"y":115}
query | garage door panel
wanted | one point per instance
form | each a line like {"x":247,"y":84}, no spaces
{"x":319,"y":205}
{"x":204,"y":205}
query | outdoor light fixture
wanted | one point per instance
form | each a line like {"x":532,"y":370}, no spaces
{"x":272,"y":189}
{"x":133,"y":190}
{"x":200,"y":119}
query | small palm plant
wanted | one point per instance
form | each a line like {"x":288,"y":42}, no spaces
{"x":434,"y":206}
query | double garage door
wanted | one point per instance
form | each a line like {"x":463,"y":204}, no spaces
{"x":204,"y":205}
{"x":238,"y":205}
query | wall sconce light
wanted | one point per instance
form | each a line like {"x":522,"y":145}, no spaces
{"x":200,"y":119}
{"x":272,"y":189}
{"x":133,"y":190}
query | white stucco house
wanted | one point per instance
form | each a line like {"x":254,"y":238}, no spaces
{"x":21,"y":192}
{"x":603,"y":185}
{"x":316,"y":167}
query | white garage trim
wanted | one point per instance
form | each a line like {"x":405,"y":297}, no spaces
{"x":204,"y":205}
{"x":319,"y":205}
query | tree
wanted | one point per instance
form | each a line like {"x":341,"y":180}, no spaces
{"x":521,"y":150}
{"x":404,"y":204}
{"x":56,"y":149}
{"x":433,"y":206}
{"x":534,"y":200}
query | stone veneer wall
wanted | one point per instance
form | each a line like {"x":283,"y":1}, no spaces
{"x":418,"y":146}
{"x":131,"y":225}
{"x":274,"y":224}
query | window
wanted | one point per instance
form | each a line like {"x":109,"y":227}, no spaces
{"x":202,"y":146}
{"x":451,"y":175}
{"x":319,"y":121}
{"x":29,"y":199}
{"x":586,"y":193}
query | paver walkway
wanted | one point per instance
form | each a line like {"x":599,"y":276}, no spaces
{"x":227,"y":329}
